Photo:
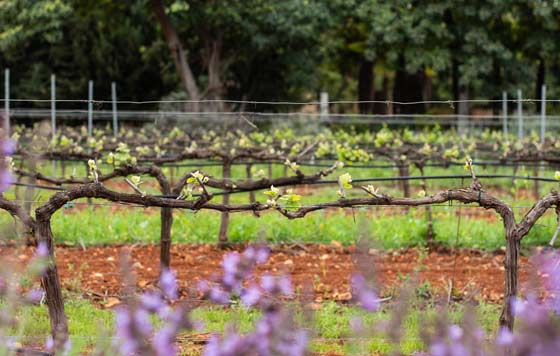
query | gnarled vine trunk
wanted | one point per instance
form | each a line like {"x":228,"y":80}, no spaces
{"x":511,"y":279}
{"x":50,"y":281}
{"x":224,"y":221}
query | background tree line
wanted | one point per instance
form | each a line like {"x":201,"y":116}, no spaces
{"x":403,"y":50}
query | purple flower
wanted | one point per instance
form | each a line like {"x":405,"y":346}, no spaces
{"x":285,"y":285}
{"x":42,"y":249}
{"x":125,"y":340}
{"x":164,"y":341}
{"x":251,"y":296}
{"x":34,"y":296}
{"x":455,"y":332}
{"x":152,"y":302}
{"x":203,"y":286}
{"x":364,"y":295}
{"x":505,"y":337}
{"x":8,"y":147}
{"x":142,"y":321}
{"x":548,"y":265}
{"x":168,"y":283}
{"x":218,"y":295}
{"x":6,"y":180}
{"x":268,"y":282}
{"x":232,"y":344}
{"x":259,"y":255}
{"x":49,"y":343}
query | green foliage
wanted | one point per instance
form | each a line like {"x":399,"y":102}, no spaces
{"x":263,"y":49}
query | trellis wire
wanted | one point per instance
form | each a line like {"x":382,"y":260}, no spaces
{"x":257,"y":102}
{"x":357,"y":180}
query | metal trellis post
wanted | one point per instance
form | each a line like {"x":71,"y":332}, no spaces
{"x":90,"y":108}
{"x":114,"y":100}
{"x":324,"y":105}
{"x":53,"y":105}
{"x":53,"y":116}
{"x":505,"y":113}
{"x":543,"y":112}
{"x":519,"y":115}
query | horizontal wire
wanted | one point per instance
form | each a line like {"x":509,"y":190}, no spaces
{"x":128,"y":113}
{"x":255,"y":102}
{"x":357,"y":180}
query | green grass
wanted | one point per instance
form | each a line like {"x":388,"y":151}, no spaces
{"x":101,"y":226}
{"x":89,"y":325}
{"x":403,"y":230}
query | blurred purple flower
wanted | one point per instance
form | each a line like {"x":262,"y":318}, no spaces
{"x":49,"y":343}
{"x":455,"y":332}
{"x":126,"y":341}
{"x":505,"y":337}
{"x":34,"y":296}
{"x":8,"y":147}
{"x":259,"y":255}
{"x":548,"y":265}
{"x":250,"y":296}
{"x":232,"y":344}
{"x":42,"y":249}
{"x":364,"y":295}
{"x":164,"y":341}
{"x":142,"y":321}
{"x":285,"y":285}
{"x":168,"y":283}
{"x":268,"y":282}
{"x":218,"y":295}
{"x":152,"y":301}
{"x":6,"y":180}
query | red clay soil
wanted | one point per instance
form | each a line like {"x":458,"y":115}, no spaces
{"x":326,"y":269}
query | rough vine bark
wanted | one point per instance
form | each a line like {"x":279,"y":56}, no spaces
{"x":51,"y":283}
{"x":224,"y":221}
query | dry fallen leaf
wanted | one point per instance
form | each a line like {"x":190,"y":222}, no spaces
{"x":111,"y":302}
{"x":342,"y":296}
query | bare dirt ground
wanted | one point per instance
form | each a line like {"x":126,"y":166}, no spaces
{"x":323,"y":269}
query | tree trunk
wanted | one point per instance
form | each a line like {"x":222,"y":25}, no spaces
{"x":382,"y":95}
{"x":497,"y":73}
{"x":511,"y":279}
{"x":177,"y":53}
{"x":366,"y":90}
{"x":408,"y":88}
{"x":455,"y":81}
{"x":224,"y":223}
{"x":215,"y":89}
{"x":51,"y":283}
